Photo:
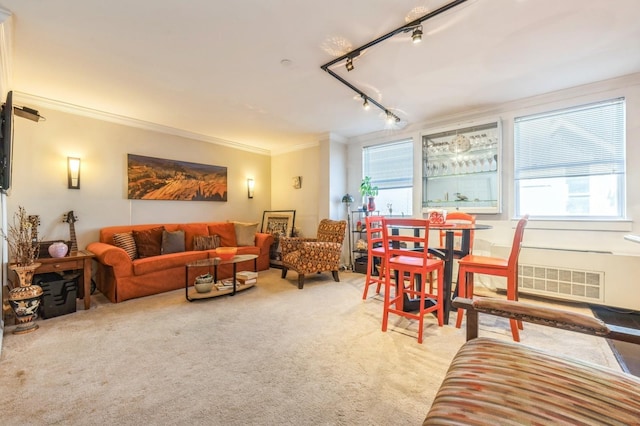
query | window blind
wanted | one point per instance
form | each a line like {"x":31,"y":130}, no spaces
{"x":582,"y":141}
{"x":389,"y":165}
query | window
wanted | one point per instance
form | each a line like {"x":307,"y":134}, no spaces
{"x":390,"y":167}
{"x":570,"y":163}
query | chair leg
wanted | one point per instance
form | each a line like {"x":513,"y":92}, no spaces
{"x":512,"y":294}
{"x":462,"y":292}
{"x":441,"y":296}
{"x":336,"y":277}
{"x":300,"y":281}
{"x":284,"y":272}
{"x":387,"y":293}
{"x":381,"y":276}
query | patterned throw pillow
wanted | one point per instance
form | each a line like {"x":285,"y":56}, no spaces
{"x":126,"y":242}
{"x":206,"y":242}
{"x":172,"y":242}
{"x":149,"y":241}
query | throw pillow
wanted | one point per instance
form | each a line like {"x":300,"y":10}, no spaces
{"x":149,"y":241}
{"x":172,"y":242}
{"x":245,"y":233}
{"x":206,"y":242}
{"x":126,"y":242}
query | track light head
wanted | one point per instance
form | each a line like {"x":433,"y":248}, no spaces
{"x":416,"y":36}
{"x":365,"y":104}
{"x":349,"y":64}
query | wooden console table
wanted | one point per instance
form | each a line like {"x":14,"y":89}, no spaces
{"x":76,"y":260}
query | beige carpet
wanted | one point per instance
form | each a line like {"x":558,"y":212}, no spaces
{"x":270,"y":355}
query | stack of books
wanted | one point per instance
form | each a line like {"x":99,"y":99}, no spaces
{"x":246,"y":277}
{"x":226,"y":284}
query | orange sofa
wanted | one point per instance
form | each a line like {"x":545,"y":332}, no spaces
{"x":120,"y":278}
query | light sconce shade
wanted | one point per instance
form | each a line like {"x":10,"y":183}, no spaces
{"x":73,"y":172}
{"x":349,"y":64}
{"x":417,"y":34}
{"x":250,"y":185}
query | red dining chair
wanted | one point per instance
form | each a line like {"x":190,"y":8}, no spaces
{"x":458,"y":217}
{"x":375,"y":250}
{"x":406,"y":255}
{"x":497,"y":266}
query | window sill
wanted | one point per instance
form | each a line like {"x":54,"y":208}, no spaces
{"x":579,"y":225}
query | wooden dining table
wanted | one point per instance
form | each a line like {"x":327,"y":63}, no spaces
{"x":448,"y":253}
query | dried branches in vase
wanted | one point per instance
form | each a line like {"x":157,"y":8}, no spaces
{"x":22,"y":239}
{"x":24,"y":247}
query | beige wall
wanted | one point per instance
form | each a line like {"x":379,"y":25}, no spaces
{"x":40,"y":182}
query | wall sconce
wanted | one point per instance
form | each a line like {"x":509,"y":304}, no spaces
{"x":73,"y":172}
{"x":250,"y":185}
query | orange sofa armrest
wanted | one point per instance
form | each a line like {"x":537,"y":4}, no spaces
{"x":264,"y":241}
{"x":113,"y":256}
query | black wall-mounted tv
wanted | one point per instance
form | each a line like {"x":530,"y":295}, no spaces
{"x":6,"y":152}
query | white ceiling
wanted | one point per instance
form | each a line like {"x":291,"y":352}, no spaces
{"x":214,"y":67}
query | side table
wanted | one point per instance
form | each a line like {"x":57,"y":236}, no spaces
{"x":76,"y":260}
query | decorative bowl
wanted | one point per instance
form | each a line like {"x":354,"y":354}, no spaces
{"x":203,"y":287}
{"x":226,"y":253}
{"x":202,"y":279}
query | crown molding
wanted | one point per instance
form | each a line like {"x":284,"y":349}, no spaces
{"x":23,"y":97}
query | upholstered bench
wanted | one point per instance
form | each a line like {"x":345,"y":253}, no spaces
{"x":491,"y":382}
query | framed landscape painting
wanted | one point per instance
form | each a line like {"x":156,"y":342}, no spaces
{"x":150,"y":178}
{"x":277,"y":223}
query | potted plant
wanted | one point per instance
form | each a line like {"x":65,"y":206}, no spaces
{"x":24,"y":297}
{"x":369,"y":191}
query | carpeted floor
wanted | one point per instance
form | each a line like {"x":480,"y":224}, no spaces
{"x":270,"y":355}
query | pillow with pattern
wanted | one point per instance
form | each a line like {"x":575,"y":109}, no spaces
{"x":126,"y":242}
{"x":206,"y":242}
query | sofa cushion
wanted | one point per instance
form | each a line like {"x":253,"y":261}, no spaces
{"x":226,"y":231}
{"x":172,"y":242}
{"x":248,"y":250}
{"x":126,"y":242}
{"x":150,"y":265}
{"x":245,"y":233}
{"x":148,"y":241}
{"x":206,"y":242}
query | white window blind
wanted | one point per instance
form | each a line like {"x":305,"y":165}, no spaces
{"x":577,"y":155}
{"x":389,"y":165}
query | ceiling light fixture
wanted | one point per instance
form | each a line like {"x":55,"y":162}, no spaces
{"x":349,"y":64}
{"x":416,"y":36}
{"x":415,"y":26}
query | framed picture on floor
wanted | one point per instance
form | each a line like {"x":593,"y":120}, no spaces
{"x":277,"y":223}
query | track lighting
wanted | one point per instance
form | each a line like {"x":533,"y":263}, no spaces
{"x":349,"y":64}
{"x":417,"y":34}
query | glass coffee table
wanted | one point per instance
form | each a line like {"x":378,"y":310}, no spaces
{"x":212,"y":266}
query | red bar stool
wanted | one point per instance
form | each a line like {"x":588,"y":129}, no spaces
{"x":375,"y":250}
{"x":496,"y":266}
{"x":406,"y":254}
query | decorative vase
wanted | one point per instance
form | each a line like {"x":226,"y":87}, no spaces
{"x":25,"y":299}
{"x":372,"y":205}
{"x":58,"y":249}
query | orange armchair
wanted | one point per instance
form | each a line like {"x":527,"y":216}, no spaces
{"x":314,"y":255}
